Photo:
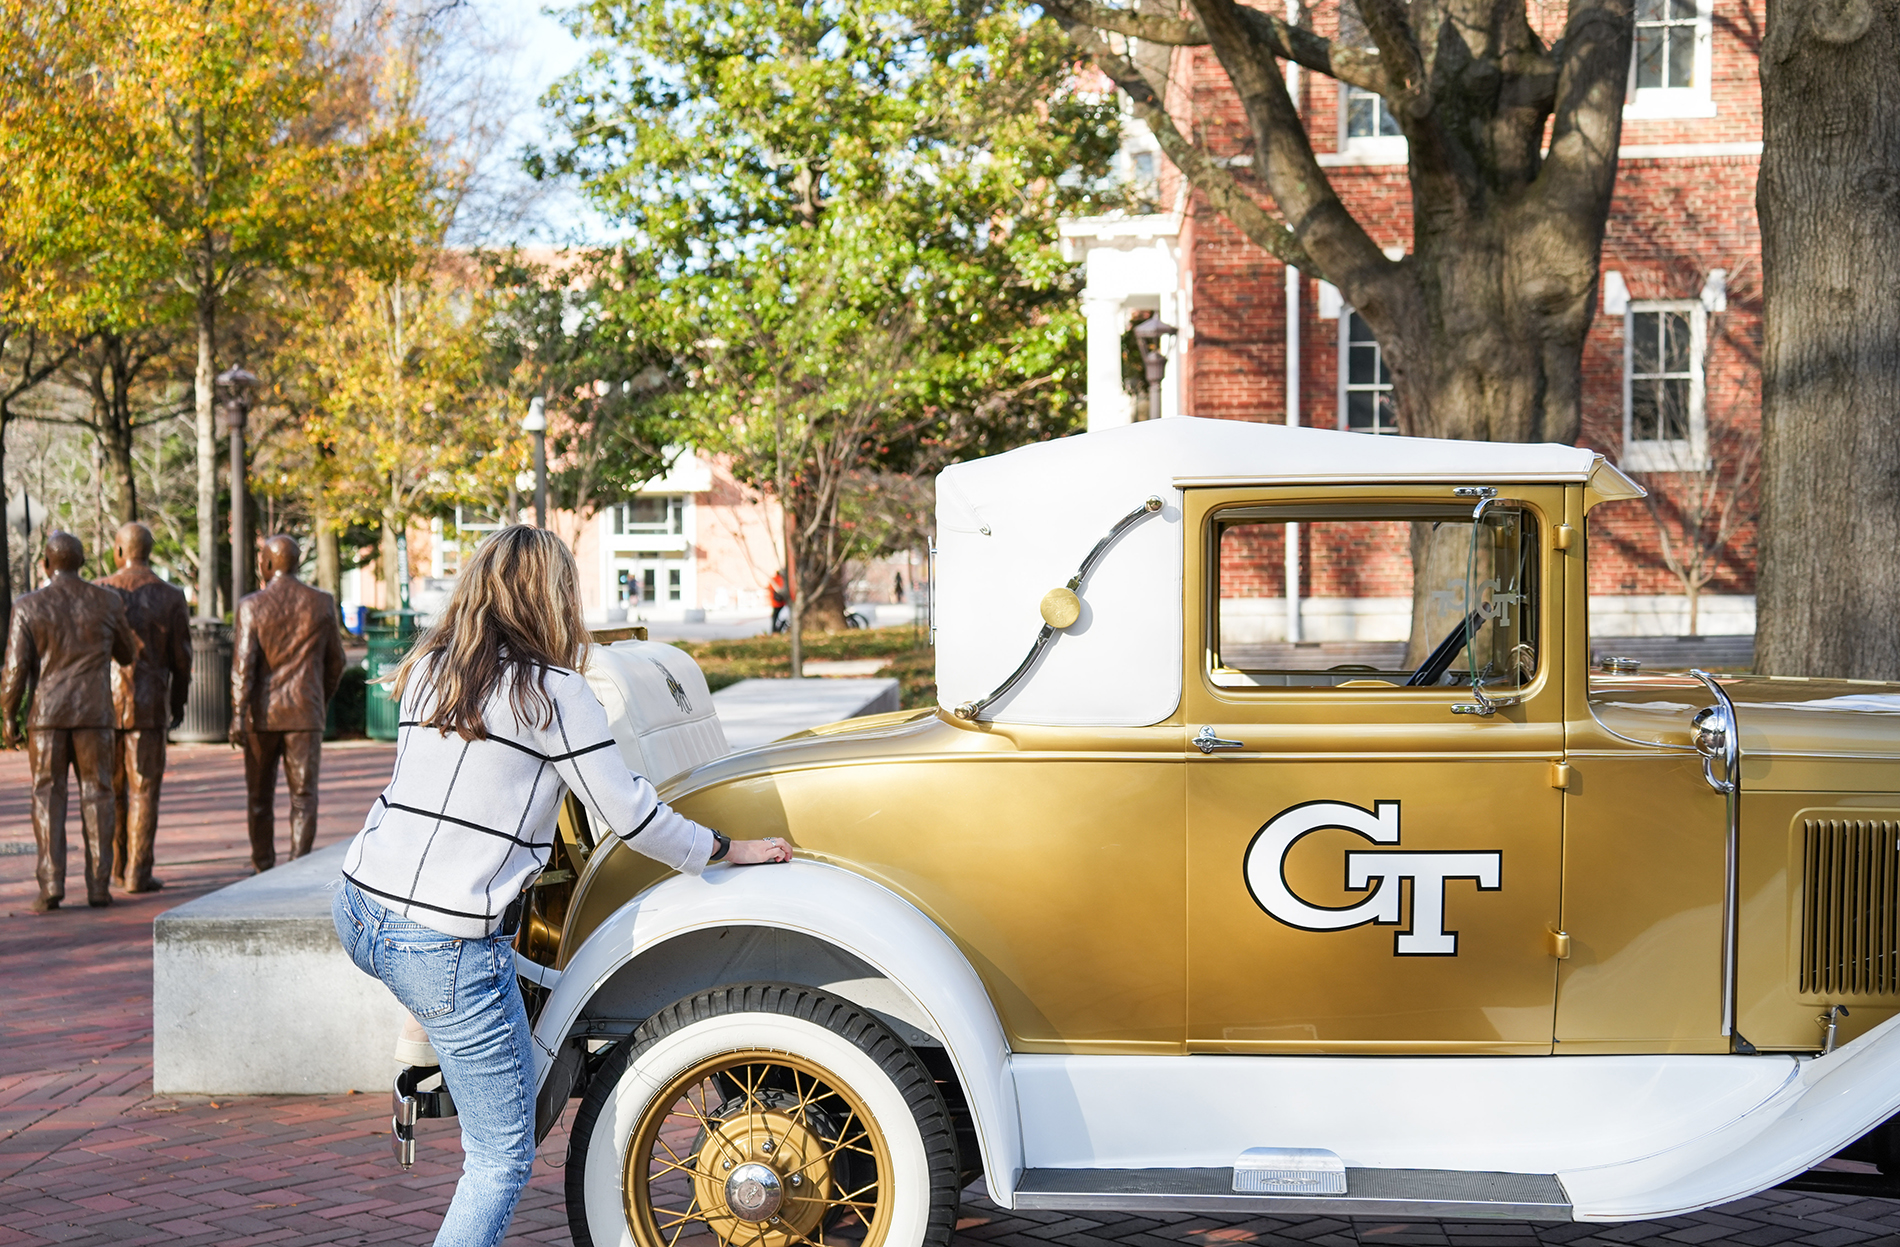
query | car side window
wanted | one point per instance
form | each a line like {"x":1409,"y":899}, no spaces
{"x":1372,"y":595}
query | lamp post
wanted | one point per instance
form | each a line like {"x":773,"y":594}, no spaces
{"x":1153,"y":362}
{"x":237,"y":385}
{"x":536,"y":425}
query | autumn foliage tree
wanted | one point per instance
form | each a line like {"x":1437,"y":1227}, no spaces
{"x":238,"y":149}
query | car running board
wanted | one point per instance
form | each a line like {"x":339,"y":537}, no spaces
{"x":1435,"y":1193}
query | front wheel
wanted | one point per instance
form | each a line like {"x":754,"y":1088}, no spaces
{"x":762,"y":1115}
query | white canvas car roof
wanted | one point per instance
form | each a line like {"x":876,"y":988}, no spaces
{"x":1013,"y":526}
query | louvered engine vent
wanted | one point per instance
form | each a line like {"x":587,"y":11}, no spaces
{"x":1850,"y":914}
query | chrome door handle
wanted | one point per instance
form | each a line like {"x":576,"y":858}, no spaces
{"x":1207,"y":742}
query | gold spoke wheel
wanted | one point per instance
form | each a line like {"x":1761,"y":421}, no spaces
{"x":757,"y":1148}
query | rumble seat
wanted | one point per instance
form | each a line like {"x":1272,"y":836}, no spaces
{"x":658,"y":706}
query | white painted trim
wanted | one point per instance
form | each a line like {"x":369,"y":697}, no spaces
{"x":846,"y":911}
{"x":1686,"y":151}
{"x":1514,"y":1114}
{"x":1371,"y":157}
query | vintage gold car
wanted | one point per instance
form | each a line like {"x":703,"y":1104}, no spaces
{"x":1240,"y":869}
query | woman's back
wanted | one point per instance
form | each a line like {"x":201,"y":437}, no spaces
{"x":465,"y":825}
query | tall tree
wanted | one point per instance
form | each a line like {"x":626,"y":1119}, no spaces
{"x":1829,"y":202}
{"x":1483,"y":321}
{"x":400,"y":413}
{"x":842,"y":223}
{"x":241,"y":145}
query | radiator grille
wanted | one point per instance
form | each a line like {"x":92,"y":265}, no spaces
{"x":1850,"y":922}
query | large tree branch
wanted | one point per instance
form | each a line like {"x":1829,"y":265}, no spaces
{"x":1341,"y":250}
{"x":1359,"y":67}
{"x":1391,"y":30}
{"x":1221,"y":188}
{"x":1587,"y":122}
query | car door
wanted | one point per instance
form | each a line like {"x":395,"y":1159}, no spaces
{"x":1373,"y":863}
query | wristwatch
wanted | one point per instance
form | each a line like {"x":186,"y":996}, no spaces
{"x":722,"y":844}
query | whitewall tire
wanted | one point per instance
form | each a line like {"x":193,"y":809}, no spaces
{"x":762,"y":1115}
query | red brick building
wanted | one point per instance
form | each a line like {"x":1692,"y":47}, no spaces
{"x":1671,"y":366}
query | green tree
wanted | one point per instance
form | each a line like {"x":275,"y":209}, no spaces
{"x":842,"y":226}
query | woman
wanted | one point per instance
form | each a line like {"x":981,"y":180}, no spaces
{"x":497,"y":725}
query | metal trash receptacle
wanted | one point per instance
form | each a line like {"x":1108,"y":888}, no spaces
{"x":389,"y":635}
{"x":208,"y":706}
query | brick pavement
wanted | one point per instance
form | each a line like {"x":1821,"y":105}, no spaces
{"x":88,"y":1155}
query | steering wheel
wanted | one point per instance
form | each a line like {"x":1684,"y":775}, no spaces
{"x":1438,"y":662}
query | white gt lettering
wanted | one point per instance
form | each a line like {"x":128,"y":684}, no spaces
{"x":1429,"y":871}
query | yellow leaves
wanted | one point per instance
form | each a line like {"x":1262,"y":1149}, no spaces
{"x":400,"y":406}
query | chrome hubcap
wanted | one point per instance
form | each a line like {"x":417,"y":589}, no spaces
{"x":753,"y":1192}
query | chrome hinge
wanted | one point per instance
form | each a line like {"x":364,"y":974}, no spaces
{"x":1205,"y":741}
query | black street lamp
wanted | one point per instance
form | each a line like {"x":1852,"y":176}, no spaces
{"x":536,"y":425}
{"x":1153,"y":362}
{"x":237,"y":385}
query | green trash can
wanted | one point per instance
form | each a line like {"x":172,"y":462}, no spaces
{"x":390,"y":634}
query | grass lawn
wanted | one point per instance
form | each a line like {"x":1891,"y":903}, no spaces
{"x":906,"y":648}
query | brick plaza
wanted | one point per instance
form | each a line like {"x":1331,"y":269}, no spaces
{"x":89,"y":1155}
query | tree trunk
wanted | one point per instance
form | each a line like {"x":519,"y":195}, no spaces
{"x":6,"y":536}
{"x":329,"y":562}
{"x":203,"y":383}
{"x":1440,"y":555}
{"x":110,"y":375}
{"x":1829,"y":203}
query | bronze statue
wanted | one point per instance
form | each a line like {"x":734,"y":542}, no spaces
{"x":148,"y":699}
{"x":285,"y":667}
{"x":65,"y":638}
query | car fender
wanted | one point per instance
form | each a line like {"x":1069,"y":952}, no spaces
{"x":837,"y":907}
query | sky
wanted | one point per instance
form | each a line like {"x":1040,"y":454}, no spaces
{"x":541,"y":51}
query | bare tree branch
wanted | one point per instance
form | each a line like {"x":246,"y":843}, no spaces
{"x":1359,"y":67}
{"x":1223,"y":191}
{"x":1338,"y":246}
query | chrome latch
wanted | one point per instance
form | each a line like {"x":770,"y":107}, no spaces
{"x":1205,"y":741}
{"x":1485,"y":707}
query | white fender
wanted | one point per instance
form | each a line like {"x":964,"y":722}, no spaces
{"x":1831,"y":1101}
{"x":840,"y":908}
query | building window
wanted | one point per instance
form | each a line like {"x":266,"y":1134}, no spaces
{"x":1365,"y":383}
{"x":1368,"y":116}
{"x":650,"y":513}
{"x":1669,"y":67}
{"x":1664,"y":425}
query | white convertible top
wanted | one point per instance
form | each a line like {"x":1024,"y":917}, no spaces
{"x":1015,"y":525}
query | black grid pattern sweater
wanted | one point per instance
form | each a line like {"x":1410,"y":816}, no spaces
{"x":464,"y":825}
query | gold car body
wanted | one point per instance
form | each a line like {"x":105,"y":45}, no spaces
{"x":1557,"y":871}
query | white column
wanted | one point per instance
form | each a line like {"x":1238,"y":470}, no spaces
{"x":1108,"y":403}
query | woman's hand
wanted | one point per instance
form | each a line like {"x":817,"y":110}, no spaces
{"x":759,"y":852}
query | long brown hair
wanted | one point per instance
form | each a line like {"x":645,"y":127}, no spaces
{"x":514,"y":613}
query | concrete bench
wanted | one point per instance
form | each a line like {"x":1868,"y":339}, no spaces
{"x":251,"y":994}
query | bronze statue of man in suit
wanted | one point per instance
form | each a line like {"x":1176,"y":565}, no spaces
{"x":65,"y":637}
{"x":148,"y":698}
{"x":285,"y":666}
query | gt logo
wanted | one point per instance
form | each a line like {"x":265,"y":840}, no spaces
{"x":1429,"y":871}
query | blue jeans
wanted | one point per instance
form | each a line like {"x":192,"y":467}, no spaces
{"x":464,"y":994}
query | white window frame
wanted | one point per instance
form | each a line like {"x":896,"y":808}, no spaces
{"x":1671,"y":454}
{"x":1661,"y":103}
{"x":1371,"y":149}
{"x":1344,"y":341}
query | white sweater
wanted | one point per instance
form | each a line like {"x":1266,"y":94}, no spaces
{"x":464,"y":825}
